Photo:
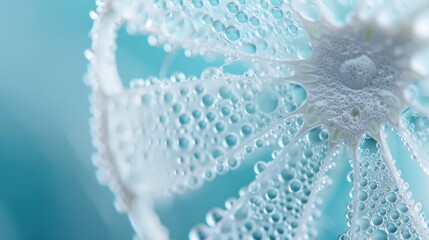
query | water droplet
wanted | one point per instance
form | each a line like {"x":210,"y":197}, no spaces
{"x":214,"y":2}
{"x":197,"y":3}
{"x":232,"y":7}
{"x":214,"y":216}
{"x":254,"y":21}
{"x":231,"y":34}
{"x":391,"y":197}
{"x":246,"y":130}
{"x":250,"y":108}
{"x":391,"y":228}
{"x":293,"y":29}
{"x":231,"y":140}
{"x":295,"y":186}
{"x":379,"y":235}
{"x":272,"y":194}
{"x":362,"y":195}
{"x":241,"y":17}
{"x":241,"y":213}
{"x":196,"y":114}
{"x":284,"y":140}
{"x":184,"y":119}
{"x":249,"y":48}
{"x":184,"y":143}
{"x":220,"y":127}
{"x":259,"y":167}
{"x":277,"y":13}
{"x":207,"y":100}
{"x":218,"y":26}
{"x":376,"y":220}
{"x":267,"y":101}
{"x":276,"y":3}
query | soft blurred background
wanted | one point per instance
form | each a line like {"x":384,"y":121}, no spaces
{"x":48,"y":188}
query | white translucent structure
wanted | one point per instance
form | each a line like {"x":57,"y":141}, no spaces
{"x":355,"y":70}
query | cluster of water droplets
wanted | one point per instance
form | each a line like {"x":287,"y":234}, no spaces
{"x":262,"y":29}
{"x":190,"y":130}
{"x":416,"y":135}
{"x":382,"y":206}
{"x":273,"y":205}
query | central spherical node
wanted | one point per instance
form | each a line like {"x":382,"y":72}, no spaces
{"x":357,"y":83}
{"x":357,"y":72}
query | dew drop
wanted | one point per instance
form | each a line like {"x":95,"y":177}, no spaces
{"x":214,"y":216}
{"x":254,"y":21}
{"x":267,"y":101}
{"x":272,"y":194}
{"x":207,"y":100}
{"x":197,"y":3}
{"x":259,"y":167}
{"x":231,"y":140}
{"x":276,"y":3}
{"x":232,"y":7}
{"x":277,"y":13}
{"x":295,"y":186}
{"x":293,"y":29}
{"x":246,"y":130}
{"x":391,"y":197}
{"x":362,"y":195}
{"x":183,"y":143}
{"x":249,"y":48}
{"x":214,"y":2}
{"x":379,"y":235}
{"x":232,"y":34}
{"x":224,"y":92}
{"x":184,"y":119}
{"x":241,"y":213}
{"x":376,"y":220}
{"x":287,"y":175}
{"x":241,"y":17}
{"x":218,"y":26}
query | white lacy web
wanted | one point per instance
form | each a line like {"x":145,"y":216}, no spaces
{"x":162,"y":137}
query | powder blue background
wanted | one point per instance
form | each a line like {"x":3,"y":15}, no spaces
{"x":48,"y":189}
{"x":47,"y":185}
